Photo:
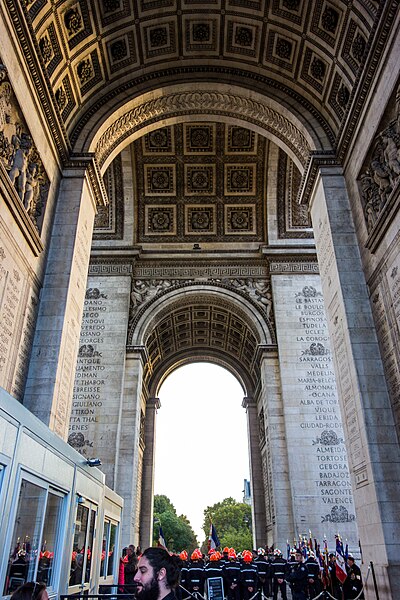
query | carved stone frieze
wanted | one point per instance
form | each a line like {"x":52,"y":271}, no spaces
{"x":379,"y":180}
{"x":203,"y":102}
{"x":19,"y":156}
{"x":257,"y":292}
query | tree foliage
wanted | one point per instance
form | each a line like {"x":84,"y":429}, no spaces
{"x":232,"y":521}
{"x":177,"y":530}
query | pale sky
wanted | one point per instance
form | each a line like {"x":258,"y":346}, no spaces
{"x":201,"y":440}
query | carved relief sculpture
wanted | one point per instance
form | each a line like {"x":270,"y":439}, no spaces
{"x":381,"y":176}
{"x":18,"y":154}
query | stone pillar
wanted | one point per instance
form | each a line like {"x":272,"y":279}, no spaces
{"x":97,"y":415}
{"x":256,"y":478}
{"x":48,"y":392}
{"x":320,"y":486}
{"x":146,"y":513}
{"x":274,"y":455}
{"x":373,"y":447}
{"x":130,"y":445}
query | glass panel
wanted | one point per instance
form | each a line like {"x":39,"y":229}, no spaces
{"x":111,"y":552}
{"x":25,"y":540}
{"x":90,"y":545}
{"x":104,"y":547}
{"x":78,"y":551}
{"x":51,"y":529}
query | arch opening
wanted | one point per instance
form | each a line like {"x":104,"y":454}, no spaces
{"x":201,"y":414}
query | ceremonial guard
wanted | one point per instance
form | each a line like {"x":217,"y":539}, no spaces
{"x":352,"y":585}
{"x":249,"y":576}
{"x":183,"y":575}
{"x":335,"y":588}
{"x":213,"y":568}
{"x":195,"y":573}
{"x":263,"y":573}
{"x":225,"y":556}
{"x":298,"y":578}
{"x":313,"y":574}
{"x":231,"y":572}
{"x":279,"y":570}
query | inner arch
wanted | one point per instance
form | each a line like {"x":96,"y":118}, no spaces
{"x":201,"y":412}
{"x":204,"y":323}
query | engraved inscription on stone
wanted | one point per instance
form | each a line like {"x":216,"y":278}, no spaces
{"x":99,"y":370}
{"x":386,"y":309}
{"x":322,"y":485}
{"x":12,"y":307}
{"x":25,"y":346}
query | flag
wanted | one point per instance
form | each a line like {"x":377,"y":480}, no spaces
{"x":161,"y":538}
{"x":341,"y":572}
{"x":310,"y":540}
{"x":213,"y":541}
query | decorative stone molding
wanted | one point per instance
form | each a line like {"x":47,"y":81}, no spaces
{"x":202,"y":102}
{"x":258,"y":292}
{"x":89,"y":162}
{"x":316,"y":160}
{"x":283,"y":266}
{"x":200,"y":271}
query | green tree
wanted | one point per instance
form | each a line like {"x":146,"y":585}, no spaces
{"x":177,"y":530}
{"x":232,"y":521}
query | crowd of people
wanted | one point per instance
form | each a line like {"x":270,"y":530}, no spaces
{"x":258,"y":575}
{"x":157,"y":574}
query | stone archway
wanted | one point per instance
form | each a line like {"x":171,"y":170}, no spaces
{"x":284,"y":495}
{"x":202,"y":322}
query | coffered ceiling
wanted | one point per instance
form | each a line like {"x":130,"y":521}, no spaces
{"x":95,"y":52}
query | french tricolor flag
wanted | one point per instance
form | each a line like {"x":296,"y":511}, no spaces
{"x":161,"y":538}
{"x":213,"y":541}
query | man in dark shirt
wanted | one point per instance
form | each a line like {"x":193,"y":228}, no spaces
{"x":157,"y":576}
{"x":298,"y":577}
{"x":352,"y":585}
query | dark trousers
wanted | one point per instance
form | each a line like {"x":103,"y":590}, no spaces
{"x":279,"y":586}
{"x":265,"y":588}
{"x":233,"y":594}
{"x":299,"y":595}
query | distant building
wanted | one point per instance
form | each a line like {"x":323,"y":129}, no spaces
{"x":246,"y":492}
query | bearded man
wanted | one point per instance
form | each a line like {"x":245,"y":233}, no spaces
{"x":157,"y":576}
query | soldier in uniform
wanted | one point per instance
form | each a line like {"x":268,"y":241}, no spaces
{"x":335,"y":588}
{"x":214,"y":567}
{"x":248,"y":576}
{"x":231,"y":572}
{"x":279,"y":571}
{"x":352,"y":585}
{"x":195,"y":573}
{"x":313,"y":572}
{"x":298,"y":578}
{"x":183,"y":556}
{"x":263,"y":573}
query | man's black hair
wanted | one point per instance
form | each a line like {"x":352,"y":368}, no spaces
{"x":160,"y":558}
